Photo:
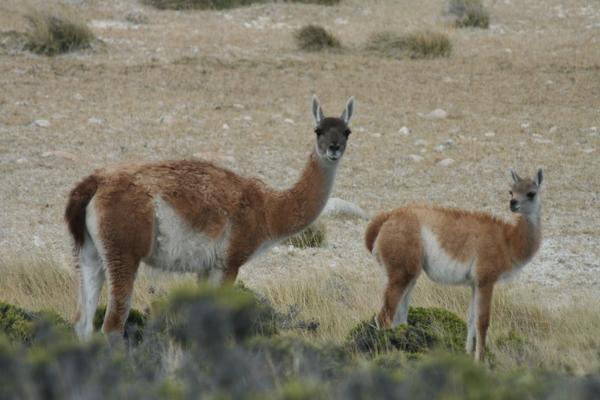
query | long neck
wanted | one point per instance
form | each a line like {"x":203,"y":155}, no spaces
{"x":524,"y":237}
{"x":290,"y":211}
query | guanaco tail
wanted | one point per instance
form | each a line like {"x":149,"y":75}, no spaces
{"x":455,"y":247}
{"x":188,"y":216}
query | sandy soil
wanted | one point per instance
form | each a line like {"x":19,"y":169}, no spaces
{"x":232,"y":86}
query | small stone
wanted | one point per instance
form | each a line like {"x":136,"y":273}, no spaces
{"x":489,"y":134}
{"x":60,"y":154}
{"x":404,"y":131}
{"x":589,"y":150}
{"x":21,"y":160}
{"x":247,"y":118}
{"x":95,"y":121}
{"x":376,"y":135}
{"x":525,"y":125}
{"x":226,"y":127}
{"x":166,"y":119}
{"x":42,"y":123}
{"x":360,"y":129}
{"x":445,"y":162}
{"x":421,"y":142}
{"x":78,"y":96}
{"x":341,"y":21}
{"x":438,"y":113}
{"x":289,"y":121}
{"x":239,"y":106}
{"x":440,"y":148}
{"x":415,"y":157}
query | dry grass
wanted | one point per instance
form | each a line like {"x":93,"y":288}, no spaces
{"x":424,"y":44}
{"x":521,"y":332}
{"x":314,"y":235}
{"x":52,"y":34}
{"x":315,"y":38}
{"x":220,"y":4}
{"x":469,"y":13}
{"x":564,"y":338}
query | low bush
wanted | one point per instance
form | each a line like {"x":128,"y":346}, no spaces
{"x":51,"y":34}
{"x":28,"y":327}
{"x":315,"y":38}
{"x":417,"y":45}
{"x":469,"y":13}
{"x":221,"y":4}
{"x":427,"y":328}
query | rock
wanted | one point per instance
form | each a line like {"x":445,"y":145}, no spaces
{"x":95,"y":121}
{"x":60,"y":154}
{"x":225,"y":127}
{"x":21,"y":160}
{"x":421,"y":142}
{"x":404,"y":131}
{"x":553,"y":129}
{"x":238,"y":106}
{"x":42,"y":123}
{"x":525,"y":125}
{"x":289,"y":121}
{"x":438,"y":113}
{"x":440,"y":148}
{"x":489,"y":134}
{"x":247,"y":118}
{"x":376,"y":135}
{"x":446,"y":162}
{"x":589,"y":150}
{"x":336,"y":207}
{"x":415,"y":157}
{"x":136,"y":17}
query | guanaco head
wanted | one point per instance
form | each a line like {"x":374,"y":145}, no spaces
{"x":332,"y":133}
{"x":525,"y":196}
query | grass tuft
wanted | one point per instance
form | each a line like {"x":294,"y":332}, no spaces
{"x":51,"y":34}
{"x":313,"y":236}
{"x":316,"y":38}
{"x":199,"y":4}
{"x":469,"y":13}
{"x":419,"y":45}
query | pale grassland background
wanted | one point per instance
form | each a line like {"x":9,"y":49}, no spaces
{"x":232,"y":86}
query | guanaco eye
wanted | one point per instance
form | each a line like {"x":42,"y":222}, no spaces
{"x":318,"y":131}
{"x":530,"y":195}
{"x":347,"y":132}
{"x":510,"y":192}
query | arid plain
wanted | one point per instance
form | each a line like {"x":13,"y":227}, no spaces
{"x":231,"y":86}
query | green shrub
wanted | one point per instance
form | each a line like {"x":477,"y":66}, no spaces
{"x":417,"y":45}
{"x":313,"y":236}
{"x":54,"y":34}
{"x":469,"y":13}
{"x":134,"y":326}
{"x":315,"y":38}
{"x":303,"y":390}
{"x":427,"y":328}
{"x":320,"y":2}
{"x":210,"y":317}
{"x":28,"y":327}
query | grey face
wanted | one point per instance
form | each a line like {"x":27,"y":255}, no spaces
{"x":332,"y":133}
{"x":332,"y":136}
{"x":525,"y":196}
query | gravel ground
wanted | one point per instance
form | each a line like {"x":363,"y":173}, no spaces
{"x":231,"y":86}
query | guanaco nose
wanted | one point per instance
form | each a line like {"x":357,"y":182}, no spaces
{"x":513,"y":202}
{"x":334,"y":147}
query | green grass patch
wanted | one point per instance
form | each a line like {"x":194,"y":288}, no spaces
{"x":469,"y":13}
{"x":419,"y":45}
{"x":51,"y":34}
{"x":27,"y":327}
{"x":316,"y":38}
{"x":134,"y":326}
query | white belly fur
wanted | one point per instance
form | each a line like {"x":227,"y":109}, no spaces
{"x":178,"y":247}
{"x":440,"y":266}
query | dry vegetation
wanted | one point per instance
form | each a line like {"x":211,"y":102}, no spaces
{"x":469,"y":13}
{"x":417,"y":45}
{"x":315,"y":38}
{"x":233,"y":87}
{"x":52,"y":34}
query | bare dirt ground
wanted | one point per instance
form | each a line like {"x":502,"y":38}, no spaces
{"x":232,"y":86}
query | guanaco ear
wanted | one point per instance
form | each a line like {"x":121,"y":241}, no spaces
{"x":516,"y":178}
{"x":317,"y":112}
{"x":539,"y":177}
{"x":348,"y":111}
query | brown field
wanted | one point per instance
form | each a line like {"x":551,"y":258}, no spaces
{"x":233,"y":87}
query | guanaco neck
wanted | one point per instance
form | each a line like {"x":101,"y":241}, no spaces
{"x":524,"y":237}
{"x":290,"y":211}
